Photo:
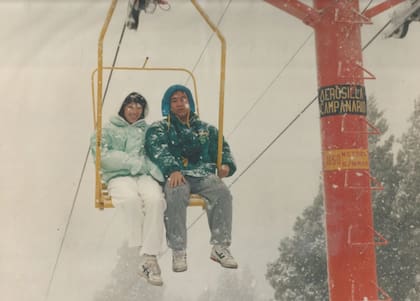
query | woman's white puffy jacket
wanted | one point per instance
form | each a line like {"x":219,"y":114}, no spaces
{"x":122,"y":150}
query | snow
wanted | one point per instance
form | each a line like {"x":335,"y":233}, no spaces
{"x":49,"y":51}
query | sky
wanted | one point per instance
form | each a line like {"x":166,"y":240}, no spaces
{"x":49,"y":50}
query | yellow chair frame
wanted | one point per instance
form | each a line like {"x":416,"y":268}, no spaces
{"x":102,"y":197}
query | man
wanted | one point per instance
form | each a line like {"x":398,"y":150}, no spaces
{"x":185,"y":150}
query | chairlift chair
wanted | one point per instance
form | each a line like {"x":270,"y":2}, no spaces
{"x":102,"y":198}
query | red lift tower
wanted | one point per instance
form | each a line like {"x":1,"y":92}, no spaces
{"x":344,"y":133}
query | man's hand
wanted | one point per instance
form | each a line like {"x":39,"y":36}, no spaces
{"x":175,"y":179}
{"x":223,"y":171}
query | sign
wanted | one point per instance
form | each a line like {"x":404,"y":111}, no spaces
{"x":344,"y":159}
{"x":342,"y":99}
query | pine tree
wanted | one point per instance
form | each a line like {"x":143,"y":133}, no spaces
{"x":382,"y":168}
{"x":126,"y":284}
{"x":300,"y":273}
{"x":406,"y":209}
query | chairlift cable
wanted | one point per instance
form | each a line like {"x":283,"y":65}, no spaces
{"x":274,"y":140}
{"x":80,"y":179}
{"x":296,"y":117}
{"x":367,"y":6}
{"x":278,"y":75}
{"x":270,"y":84}
{"x":376,"y":35}
{"x":60,"y":249}
{"x":208,"y":42}
{"x":113,"y":63}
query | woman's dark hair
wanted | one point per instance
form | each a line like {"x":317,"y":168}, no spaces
{"x":137,"y":98}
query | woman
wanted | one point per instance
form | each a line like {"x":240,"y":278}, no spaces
{"x":133,"y":181}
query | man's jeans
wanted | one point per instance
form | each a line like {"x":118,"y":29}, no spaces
{"x":219,"y":210}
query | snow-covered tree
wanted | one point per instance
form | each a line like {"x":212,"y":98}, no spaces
{"x":126,"y":284}
{"x":300,"y":273}
{"x":382,"y":168}
{"x":232,"y":286}
{"x":406,"y":210}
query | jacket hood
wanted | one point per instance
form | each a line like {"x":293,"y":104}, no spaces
{"x":166,"y":101}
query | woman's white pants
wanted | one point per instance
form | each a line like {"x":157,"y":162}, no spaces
{"x":142,"y":203}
